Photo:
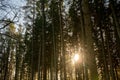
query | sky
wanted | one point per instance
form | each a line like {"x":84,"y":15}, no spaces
{"x":12,"y":7}
{"x":18,"y":3}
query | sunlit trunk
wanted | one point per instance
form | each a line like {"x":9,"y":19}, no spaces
{"x":83,"y":43}
{"x":89,"y":41}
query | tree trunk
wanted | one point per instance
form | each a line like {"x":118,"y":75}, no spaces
{"x":43,"y":38}
{"x":106,"y":73}
{"x":54,"y":56}
{"x":112,"y":74}
{"x":90,"y":55}
{"x":39,"y":62}
{"x":32,"y":44}
{"x":117,"y":25}
{"x":6,"y":64}
{"x":83,"y":43}
{"x":62,"y":40}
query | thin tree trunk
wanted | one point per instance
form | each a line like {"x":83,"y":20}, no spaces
{"x":33,"y":36}
{"x":22,"y":70}
{"x":117,"y":25}
{"x":51,"y":68}
{"x":43,"y":39}
{"x":112,"y":75}
{"x":62,"y":40}
{"x":16,"y":71}
{"x":116,"y":74}
{"x":17,"y":62}
{"x":106,"y":73}
{"x":39,"y":62}
{"x":6,"y":65}
{"x":54,"y":56}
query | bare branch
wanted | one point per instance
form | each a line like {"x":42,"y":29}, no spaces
{"x":8,"y":22}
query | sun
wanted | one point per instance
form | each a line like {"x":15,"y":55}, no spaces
{"x":76,"y":57}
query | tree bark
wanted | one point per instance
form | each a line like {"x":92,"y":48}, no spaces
{"x":62,"y":40}
{"x":90,"y":54}
{"x":117,"y":25}
{"x":43,"y":39}
{"x":7,"y":56}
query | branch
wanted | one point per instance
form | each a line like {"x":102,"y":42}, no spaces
{"x":8,"y":22}
{"x":8,"y":36}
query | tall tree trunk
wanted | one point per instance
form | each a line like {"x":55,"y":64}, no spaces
{"x":83,"y":43}
{"x":17,"y":65}
{"x":62,"y":40}
{"x":112,"y":74}
{"x":18,"y":60}
{"x":89,"y":41}
{"x":39,"y":62}
{"x":54,"y":56}
{"x":6,"y":64}
{"x":106,"y":72}
{"x":117,"y":25}
{"x":22,"y":70}
{"x":33,"y":44}
{"x":51,"y":68}
{"x":43,"y":38}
